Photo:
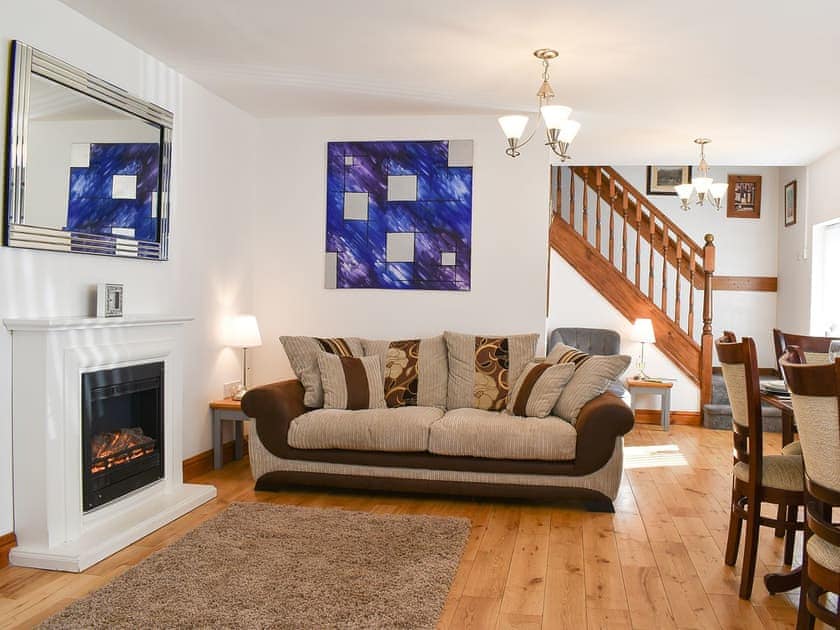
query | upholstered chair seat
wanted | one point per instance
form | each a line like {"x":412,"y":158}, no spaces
{"x":794,"y":449}
{"x":781,"y":472}
{"x":824,"y":553}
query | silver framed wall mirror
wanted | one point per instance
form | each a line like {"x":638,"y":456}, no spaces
{"x":88,"y":164}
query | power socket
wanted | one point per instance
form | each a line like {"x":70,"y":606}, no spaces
{"x":229,"y":389}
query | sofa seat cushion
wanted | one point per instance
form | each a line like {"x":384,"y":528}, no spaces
{"x":400,"y":429}
{"x":480,"y":433}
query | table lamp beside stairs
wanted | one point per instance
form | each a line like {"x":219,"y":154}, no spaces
{"x":643,"y":333}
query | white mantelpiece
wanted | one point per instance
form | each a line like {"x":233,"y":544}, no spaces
{"x":48,"y":359}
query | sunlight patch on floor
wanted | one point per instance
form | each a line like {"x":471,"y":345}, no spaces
{"x":656,"y":456}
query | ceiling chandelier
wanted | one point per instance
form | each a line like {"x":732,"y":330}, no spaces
{"x":559,"y":130}
{"x":704,"y":185}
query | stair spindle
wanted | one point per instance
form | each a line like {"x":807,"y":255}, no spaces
{"x":598,"y":210}
{"x":558,"y":193}
{"x":638,"y":244}
{"x":612,"y":219}
{"x":624,"y":233}
{"x":572,"y":198}
{"x":651,"y":265}
{"x":677,"y":305}
{"x":691,"y":264}
{"x":664,"y":304}
{"x":585,"y":204}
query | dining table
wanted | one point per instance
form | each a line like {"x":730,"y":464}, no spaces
{"x":783,"y":581}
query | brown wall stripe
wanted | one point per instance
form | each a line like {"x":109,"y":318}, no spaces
{"x":521,"y":403}
{"x":356,"y":381}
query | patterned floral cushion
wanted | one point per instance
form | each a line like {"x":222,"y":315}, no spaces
{"x":303,"y":357}
{"x":482,"y":369}
{"x":414,"y":370}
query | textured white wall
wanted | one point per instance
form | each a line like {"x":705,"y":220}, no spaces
{"x":206,"y":276}
{"x":818,"y":202}
{"x":510,"y":227}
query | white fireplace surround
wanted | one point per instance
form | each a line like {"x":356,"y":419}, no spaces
{"x":48,"y":358}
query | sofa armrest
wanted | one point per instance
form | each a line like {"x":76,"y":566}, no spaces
{"x":273,"y":408}
{"x":600,"y":422}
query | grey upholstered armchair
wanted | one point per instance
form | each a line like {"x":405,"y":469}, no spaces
{"x":589,"y":340}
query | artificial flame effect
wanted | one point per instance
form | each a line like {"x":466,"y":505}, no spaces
{"x":113,"y":449}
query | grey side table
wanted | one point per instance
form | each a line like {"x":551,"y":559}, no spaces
{"x":663,"y":389}
{"x":227,"y":410}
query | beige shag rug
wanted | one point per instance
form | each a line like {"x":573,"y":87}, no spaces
{"x":258,"y":565}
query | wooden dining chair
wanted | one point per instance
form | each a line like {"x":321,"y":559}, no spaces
{"x":814,"y":349}
{"x":756,"y":478}
{"x":815,"y":395}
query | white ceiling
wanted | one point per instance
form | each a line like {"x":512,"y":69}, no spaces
{"x":645,"y":77}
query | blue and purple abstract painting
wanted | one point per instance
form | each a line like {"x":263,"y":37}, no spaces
{"x":399,"y":215}
{"x":115,"y":194}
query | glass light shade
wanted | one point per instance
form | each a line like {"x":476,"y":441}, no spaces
{"x":643,"y":331}
{"x":513,"y":126}
{"x":718,"y":190}
{"x":702,"y":184}
{"x":242,"y":331}
{"x":569,"y":130}
{"x":684,"y":190}
{"x":555,"y":115}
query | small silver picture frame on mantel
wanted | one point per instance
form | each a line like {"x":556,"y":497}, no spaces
{"x":109,"y":300}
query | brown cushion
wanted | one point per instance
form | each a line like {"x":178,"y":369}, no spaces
{"x":351,"y":382}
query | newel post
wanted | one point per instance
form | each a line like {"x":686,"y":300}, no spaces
{"x":707,"y":341}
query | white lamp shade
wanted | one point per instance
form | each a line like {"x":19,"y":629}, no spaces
{"x":684,"y":190}
{"x":555,"y":115}
{"x":569,"y":130}
{"x":718,"y":190}
{"x":702,"y":184}
{"x":242,"y":331}
{"x":643,"y":331}
{"x":513,"y":126}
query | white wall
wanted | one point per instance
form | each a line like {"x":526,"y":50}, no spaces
{"x":510,"y":228}
{"x":744,"y":247}
{"x":206,"y":277}
{"x":818,"y":201}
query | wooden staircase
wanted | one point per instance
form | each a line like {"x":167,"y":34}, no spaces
{"x":639,"y":260}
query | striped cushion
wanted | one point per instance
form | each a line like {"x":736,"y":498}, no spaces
{"x":351,"y":382}
{"x":303,"y":357}
{"x":593,"y":376}
{"x":538,"y":388}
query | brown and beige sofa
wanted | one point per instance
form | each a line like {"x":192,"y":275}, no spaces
{"x":453,"y":414}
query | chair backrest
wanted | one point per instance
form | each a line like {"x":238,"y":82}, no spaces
{"x":588,"y":340}
{"x":814,"y":349}
{"x":739,"y":365}
{"x":815,"y":394}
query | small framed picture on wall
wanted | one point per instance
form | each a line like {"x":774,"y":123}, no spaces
{"x":744,"y":197}
{"x":662,"y":179}
{"x":790,"y":203}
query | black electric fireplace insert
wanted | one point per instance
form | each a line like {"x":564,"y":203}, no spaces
{"x":122,"y":431}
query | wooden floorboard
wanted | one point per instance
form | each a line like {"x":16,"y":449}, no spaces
{"x":656,"y":563}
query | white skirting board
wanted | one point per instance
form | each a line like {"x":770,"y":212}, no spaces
{"x":108,"y":537}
